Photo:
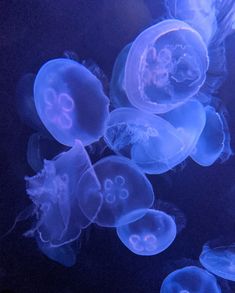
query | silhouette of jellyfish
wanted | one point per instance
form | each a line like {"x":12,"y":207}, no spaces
{"x":200,"y":14}
{"x":70,"y":102}
{"x":53,"y":192}
{"x":219,"y":260}
{"x":117,"y":92}
{"x":166,"y":65}
{"x":210,"y":145}
{"x":150,"y":141}
{"x":149,"y":235}
{"x":120,"y":186}
{"x":190,"y":279}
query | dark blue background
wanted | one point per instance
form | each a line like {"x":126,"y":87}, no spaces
{"x":32,"y":32}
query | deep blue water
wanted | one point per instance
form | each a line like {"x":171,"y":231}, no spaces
{"x":32,"y":32}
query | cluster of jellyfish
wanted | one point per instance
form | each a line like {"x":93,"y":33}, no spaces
{"x":161,"y":109}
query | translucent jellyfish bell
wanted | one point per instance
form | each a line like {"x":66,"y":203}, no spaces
{"x":70,"y":102}
{"x":149,"y":235}
{"x":211,"y":142}
{"x":150,"y":141}
{"x":166,"y":65}
{"x":190,"y":279}
{"x":219,"y":260}
{"x":122,"y":188}
{"x":59,"y":219}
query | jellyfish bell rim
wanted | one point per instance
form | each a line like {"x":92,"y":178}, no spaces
{"x":134,"y":59}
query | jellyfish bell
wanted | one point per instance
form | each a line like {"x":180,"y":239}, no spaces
{"x":166,"y":65}
{"x":119,"y":185}
{"x":70,"y":102}
{"x":150,"y":234}
{"x":219,"y":260}
{"x":53,"y":192}
{"x":190,"y":279}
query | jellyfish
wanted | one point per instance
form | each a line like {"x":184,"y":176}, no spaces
{"x":210,"y":144}
{"x":190,"y":279}
{"x":219,"y":260}
{"x":53,"y":192}
{"x":200,"y":14}
{"x":113,"y":188}
{"x":117,"y":92}
{"x":150,"y":234}
{"x":70,"y":102}
{"x":165,"y":66}
{"x":149,"y":140}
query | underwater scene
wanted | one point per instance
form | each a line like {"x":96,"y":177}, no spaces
{"x":117,"y":124}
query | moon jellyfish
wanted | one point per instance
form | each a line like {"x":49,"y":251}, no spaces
{"x":190,"y":279}
{"x":149,"y":235}
{"x":70,"y":102}
{"x":166,"y":65}
{"x":117,"y":93}
{"x":210,"y":145}
{"x":189,"y":120}
{"x":150,"y":141}
{"x":219,"y":260}
{"x":53,"y":192}
{"x":120,"y":186}
{"x":200,"y":14}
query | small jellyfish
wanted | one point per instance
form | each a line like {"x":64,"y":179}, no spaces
{"x":149,"y":140}
{"x":53,"y":192}
{"x":219,"y":260}
{"x":210,"y":144}
{"x":166,"y":65}
{"x":117,"y":92}
{"x":200,"y":14}
{"x":70,"y":102}
{"x":190,"y":279}
{"x":149,"y":235}
{"x":120,"y":186}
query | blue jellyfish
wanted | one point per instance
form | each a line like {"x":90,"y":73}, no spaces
{"x":210,"y":145}
{"x":113,"y":188}
{"x":70,"y":102}
{"x":53,"y":192}
{"x":150,"y":141}
{"x":166,"y":65}
{"x":117,"y":92}
{"x":149,"y":235}
{"x":219,"y":260}
{"x":200,"y":14}
{"x":189,"y":120}
{"x":190,"y":279}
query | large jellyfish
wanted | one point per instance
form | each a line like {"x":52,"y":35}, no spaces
{"x":219,"y":260}
{"x":53,"y":192}
{"x":70,"y":102}
{"x":120,"y":186}
{"x":149,"y":235}
{"x":166,"y":65}
{"x":150,"y":141}
{"x":190,"y":279}
{"x":210,"y":145}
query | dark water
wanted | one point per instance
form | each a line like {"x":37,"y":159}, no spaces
{"x":32,"y":32}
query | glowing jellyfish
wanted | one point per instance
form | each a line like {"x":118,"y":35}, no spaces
{"x":189,"y":120}
{"x":121,"y":187}
{"x":190,"y":279}
{"x":200,"y":14}
{"x":150,"y":141}
{"x":70,"y":102}
{"x":210,"y":145}
{"x":117,"y":93}
{"x":59,"y":219}
{"x":219,"y":261}
{"x":149,"y":235}
{"x":166,"y":65}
